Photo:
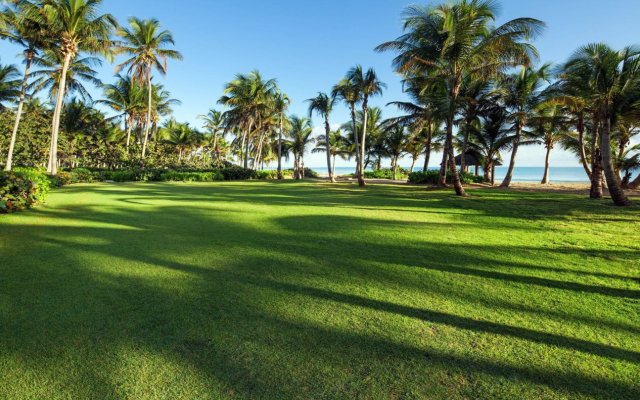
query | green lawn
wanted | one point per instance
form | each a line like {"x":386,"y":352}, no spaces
{"x":303,"y":290}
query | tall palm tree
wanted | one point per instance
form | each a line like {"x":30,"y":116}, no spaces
{"x":451,"y":42}
{"x":75,"y":26}
{"x":521,"y":94}
{"x":281,"y":104}
{"x":146,"y":45}
{"x":349,"y":93}
{"x":32,"y":37}
{"x":613,"y":79}
{"x":249,"y":98}
{"x":369,"y":85}
{"x":10,"y":84}
{"x":322,"y":105}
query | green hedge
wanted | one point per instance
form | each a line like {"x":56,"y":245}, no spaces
{"x":22,"y":189}
{"x":432,"y":177}
{"x":175,"y":176}
{"x":386,"y":173}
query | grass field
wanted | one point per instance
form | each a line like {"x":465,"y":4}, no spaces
{"x":287,"y":290}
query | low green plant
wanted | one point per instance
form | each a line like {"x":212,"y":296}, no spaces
{"x":176,"y":176}
{"x":236,"y":173}
{"x":22,"y":189}
{"x":431,"y":177}
{"x":386,"y":173}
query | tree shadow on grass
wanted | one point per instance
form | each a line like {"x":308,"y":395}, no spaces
{"x":150,"y":279}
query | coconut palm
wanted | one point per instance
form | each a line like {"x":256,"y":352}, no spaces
{"x":299,"y":139}
{"x":249,"y":98}
{"x":395,"y":139}
{"x":75,"y":27}
{"x":350,"y":94}
{"x":613,"y":79}
{"x":521,"y":94}
{"x":49,"y":73}
{"x":322,"y":105}
{"x":339,"y":146}
{"x":368,"y":85}
{"x":449,"y":43}
{"x":280,"y":105}
{"x":10,"y":84}
{"x":550,"y":126}
{"x":214,"y":124}
{"x":32,"y":37}
{"x":627,"y":163}
{"x":127,"y":98}
{"x":493,"y":137}
{"x":146,"y":45}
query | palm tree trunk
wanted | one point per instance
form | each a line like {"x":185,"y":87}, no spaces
{"x":333,"y":166}
{"x":363,"y":142}
{"x":327,"y":129}
{"x":246,"y":143}
{"x":613,"y":179}
{"x":545,"y":177}
{"x":14,"y":133}
{"x":465,"y":146}
{"x":442,"y":179}
{"x":356,"y":139}
{"x":129,"y":128}
{"x":147,"y":125}
{"x":55,"y":129}
{"x":427,"y":150}
{"x":512,"y":164}
{"x":596,"y":191}
{"x":280,"y":176}
{"x":583,"y":154}
{"x":457,"y":183}
{"x":413,"y":163}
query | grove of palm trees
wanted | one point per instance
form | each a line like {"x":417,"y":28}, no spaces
{"x":370,"y":238}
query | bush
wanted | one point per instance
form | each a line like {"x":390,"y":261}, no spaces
{"x":431,"y":177}
{"x":22,"y":189}
{"x":176,"y":176}
{"x":236,"y":173}
{"x":267,"y":174}
{"x":386,"y":173}
{"x":308,"y":173}
{"x":82,"y":175}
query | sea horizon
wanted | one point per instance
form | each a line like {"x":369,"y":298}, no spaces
{"x":521,"y":174}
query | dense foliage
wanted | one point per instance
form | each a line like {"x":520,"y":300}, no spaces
{"x":22,"y":189}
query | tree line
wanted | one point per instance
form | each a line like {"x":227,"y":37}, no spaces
{"x":474,"y":88}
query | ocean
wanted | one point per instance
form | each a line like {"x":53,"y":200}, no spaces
{"x":521,"y":174}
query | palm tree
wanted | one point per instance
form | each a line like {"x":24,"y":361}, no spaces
{"x":395,"y":140}
{"x":339,"y":145}
{"x":146,"y":45}
{"x":368,"y":85}
{"x":180,"y":135}
{"x":127,"y":98}
{"x":10,"y":84}
{"x":281,"y":103}
{"x":493,"y":137}
{"x":250,"y":99}
{"x":452,"y":42}
{"x":521,"y":94}
{"x":32,"y":37}
{"x":300,"y":138}
{"x":414,"y":147}
{"x":49,"y":75}
{"x":75,"y":26}
{"x":550,"y":126}
{"x":214,"y":124}
{"x":322,"y":105}
{"x":349,"y":93}
{"x":613,"y":78}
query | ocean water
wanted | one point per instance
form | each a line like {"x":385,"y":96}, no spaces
{"x":521,"y":174}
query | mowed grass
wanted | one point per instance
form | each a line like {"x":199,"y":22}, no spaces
{"x":306,"y":290}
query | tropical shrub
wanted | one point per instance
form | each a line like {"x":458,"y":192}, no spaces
{"x":386,"y":173}
{"x":236,"y":173}
{"x":176,"y":176}
{"x":82,"y":175}
{"x":432,"y":177}
{"x":23,"y":189}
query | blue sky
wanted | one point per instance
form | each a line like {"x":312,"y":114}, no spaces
{"x":309,"y":45}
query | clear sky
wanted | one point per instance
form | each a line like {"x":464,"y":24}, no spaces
{"x":309,"y":45}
